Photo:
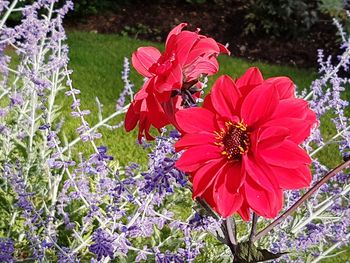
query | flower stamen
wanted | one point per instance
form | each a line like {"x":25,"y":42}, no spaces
{"x":234,"y":140}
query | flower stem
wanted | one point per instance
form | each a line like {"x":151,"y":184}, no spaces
{"x":301,"y":200}
{"x":230,"y":235}
{"x":7,"y":14}
{"x":254,"y":226}
{"x":102,"y":122}
{"x":231,"y":230}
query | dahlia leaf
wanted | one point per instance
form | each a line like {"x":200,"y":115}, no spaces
{"x":247,"y":252}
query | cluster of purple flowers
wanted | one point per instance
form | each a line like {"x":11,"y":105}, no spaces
{"x":162,"y":173}
{"x":7,"y":250}
{"x":102,"y":244}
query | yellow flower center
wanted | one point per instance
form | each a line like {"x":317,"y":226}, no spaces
{"x":233,"y":139}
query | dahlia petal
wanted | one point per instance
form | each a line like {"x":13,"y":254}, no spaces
{"x":265,"y":203}
{"x":311,"y":117}
{"x":175,"y":31}
{"x":170,"y":107}
{"x":284,"y":85}
{"x":148,"y":87}
{"x":234,"y":177}
{"x":259,"y":105}
{"x":244,"y":211}
{"x":293,"y":178}
{"x":222,"y":121}
{"x":260,"y":173}
{"x":207,"y":196}
{"x":205,"y":176}
{"x":208,"y":104}
{"x":223,"y":49}
{"x":191,"y":139}
{"x":196,"y":120}
{"x":295,"y":115}
{"x":144,"y":58}
{"x":146,"y":110}
{"x":148,"y":136}
{"x":227,"y":198}
{"x":162,"y":90}
{"x":205,"y":46}
{"x":258,"y":199}
{"x":174,"y":79}
{"x":291,"y":108}
{"x":250,"y":79}
{"x":202,"y":65}
{"x":254,"y":140}
{"x":288,"y":155}
{"x":224,"y":96}
{"x":141,"y":94}
{"x":299,"y":129}
{"x":170,"y":45}
{"x":195,"y":157}
{"x":156,"y":113}
{"x":272,"y":136}
{"x":144,"y":125}
{"x":185,"y":41}
{"x":226,"y":202}
{"x":131,"y":117}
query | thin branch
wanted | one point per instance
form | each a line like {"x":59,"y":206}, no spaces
{"x":207,"y":208}
{"x":267,"y":229}
{"x":76,"y":140}
{"x":7,"y":14}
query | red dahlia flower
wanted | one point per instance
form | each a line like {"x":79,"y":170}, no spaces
{"x":173,"y":77}
{"x":242,"y":148}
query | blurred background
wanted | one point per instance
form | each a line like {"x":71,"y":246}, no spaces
{"x":276,"y":31}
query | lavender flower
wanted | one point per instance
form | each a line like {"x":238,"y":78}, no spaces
{"x":66,"y":256}
{"x":162,"y":174}
{"x":103,"y":245}
{"x":7,"y":248}
{"x":3,"y":5}
{"x":128,"y":86}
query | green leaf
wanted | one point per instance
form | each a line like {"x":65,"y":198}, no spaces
{"x":247,"y":252}
{"x":6,"y":201}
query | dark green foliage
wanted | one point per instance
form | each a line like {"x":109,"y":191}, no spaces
{"x":337,"y":9}
{"x":248,"y":253}
{"x":280,"y":18}
{"x":15,"y":17}
{"x":334,"y":8}
{"x":83,"y":8}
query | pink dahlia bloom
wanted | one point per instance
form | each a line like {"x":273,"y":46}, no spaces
{"x":242,"y":147}
{"x":173,"y":77}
